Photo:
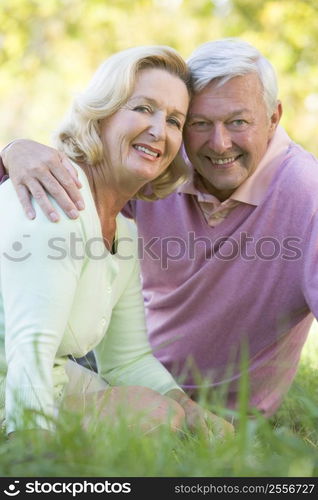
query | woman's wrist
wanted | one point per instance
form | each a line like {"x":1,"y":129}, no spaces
{"x":179,"y":396}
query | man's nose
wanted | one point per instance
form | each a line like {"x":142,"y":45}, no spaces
{"x":220,"y":138}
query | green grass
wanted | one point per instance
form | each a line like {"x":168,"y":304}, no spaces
{"x":283,"y":446}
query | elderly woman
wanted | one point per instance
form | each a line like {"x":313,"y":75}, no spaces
{"x":74,"y":286}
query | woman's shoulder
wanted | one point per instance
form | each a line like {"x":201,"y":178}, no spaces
{"x":14,"y":221}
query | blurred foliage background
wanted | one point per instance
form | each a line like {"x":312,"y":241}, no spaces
{"x":49,"y":50}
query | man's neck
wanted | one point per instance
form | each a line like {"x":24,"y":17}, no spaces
{"x":205,"y":187}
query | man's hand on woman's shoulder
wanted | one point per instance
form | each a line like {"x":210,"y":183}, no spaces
{"x":38,"y":170}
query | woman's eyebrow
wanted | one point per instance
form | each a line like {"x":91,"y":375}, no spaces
{"x":153,"y":102}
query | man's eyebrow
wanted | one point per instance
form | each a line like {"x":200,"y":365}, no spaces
{"x":239,"y":111}
{"x":154,"y":103}
{"x":230,"y":114}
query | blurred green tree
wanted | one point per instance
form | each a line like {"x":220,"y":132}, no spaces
{"x":48,"y":51}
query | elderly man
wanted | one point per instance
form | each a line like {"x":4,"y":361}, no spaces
{"x":229,"y":261}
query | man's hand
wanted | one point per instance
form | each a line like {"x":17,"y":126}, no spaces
{"x":199,"y":419}
{"x":36,"y":170}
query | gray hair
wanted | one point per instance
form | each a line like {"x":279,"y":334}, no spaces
{"x":230,"y":57}
{"x":110,"y":87}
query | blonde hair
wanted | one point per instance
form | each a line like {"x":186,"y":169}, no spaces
{"x":111,"y":86}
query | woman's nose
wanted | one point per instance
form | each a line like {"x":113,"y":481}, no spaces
{"x":158,"y":128}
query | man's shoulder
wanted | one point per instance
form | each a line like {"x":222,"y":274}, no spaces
{"x":299,"y":166}
{"x":297,"y":154}
{"x":297,"y":179}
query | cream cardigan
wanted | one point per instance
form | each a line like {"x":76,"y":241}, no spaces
{"x":62,"y":293}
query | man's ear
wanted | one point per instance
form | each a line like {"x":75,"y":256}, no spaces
{"x":275,"y":118}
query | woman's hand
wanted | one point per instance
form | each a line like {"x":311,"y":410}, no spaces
{"x":138,"y":406}
{"x":36,"y":170}
{"x":201,"y":420}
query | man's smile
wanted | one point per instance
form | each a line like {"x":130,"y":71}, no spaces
{"x":221,"y":162}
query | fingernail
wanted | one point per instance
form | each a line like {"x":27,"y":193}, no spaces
{"x":31,"y":215}
{"x":53,"y":216}
{"x":80,"y":205}
{"x":73,"y":213}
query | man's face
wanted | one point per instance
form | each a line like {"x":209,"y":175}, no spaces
{"x":227,"y":133}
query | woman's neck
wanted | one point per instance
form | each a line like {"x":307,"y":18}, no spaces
{"x":109,"y":200}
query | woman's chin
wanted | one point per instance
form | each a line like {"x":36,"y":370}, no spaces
{"x":147,"y":174}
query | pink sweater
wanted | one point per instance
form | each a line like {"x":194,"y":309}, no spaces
{"x":249,"y":281}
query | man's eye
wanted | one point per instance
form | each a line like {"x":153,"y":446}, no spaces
{"x":238,"y":123}
{"x":198,"y":124}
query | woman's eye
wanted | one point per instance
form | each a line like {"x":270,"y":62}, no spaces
{"x":175,"y":122}
{"x":143,"y":109}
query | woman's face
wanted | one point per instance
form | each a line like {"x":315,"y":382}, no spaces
{"x":144,"y":136}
